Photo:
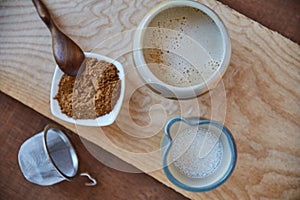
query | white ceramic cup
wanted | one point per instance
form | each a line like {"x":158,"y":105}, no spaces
{"x":195,"y":36}
{"x":175,"y":127}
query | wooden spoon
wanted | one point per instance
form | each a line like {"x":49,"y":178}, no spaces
{"x":68,"y":55}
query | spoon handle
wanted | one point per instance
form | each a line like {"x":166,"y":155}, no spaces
{"x":43,"y":13}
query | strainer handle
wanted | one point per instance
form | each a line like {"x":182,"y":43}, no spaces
{"x":93,"y":181}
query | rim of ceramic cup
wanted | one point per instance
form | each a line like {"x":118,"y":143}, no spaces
{"x":149,"y":77}
{"x":232,"y":147}
{"x":71,"y":149}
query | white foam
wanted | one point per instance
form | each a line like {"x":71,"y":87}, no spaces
{"x":185,"y":152}
{"x":191,"y":46}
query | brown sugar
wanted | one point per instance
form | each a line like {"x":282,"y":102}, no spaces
{"x":92,"y":94}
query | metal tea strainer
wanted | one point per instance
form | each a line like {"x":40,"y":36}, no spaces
{"x":49,"y":157}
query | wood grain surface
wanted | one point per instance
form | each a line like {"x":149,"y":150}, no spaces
{"x":278,"y":15}
{"x":258,"y":98}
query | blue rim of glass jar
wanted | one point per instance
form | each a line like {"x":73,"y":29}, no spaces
{"x":193,"y":122}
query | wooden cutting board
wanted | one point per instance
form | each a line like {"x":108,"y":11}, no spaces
{"x":258,"y":98}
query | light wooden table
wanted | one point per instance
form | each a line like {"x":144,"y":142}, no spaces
{"x":258,"y":98}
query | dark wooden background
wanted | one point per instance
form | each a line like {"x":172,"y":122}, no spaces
{"x":18,"y":122}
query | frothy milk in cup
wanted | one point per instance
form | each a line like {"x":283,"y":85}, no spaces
{"x":183,"y":46}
